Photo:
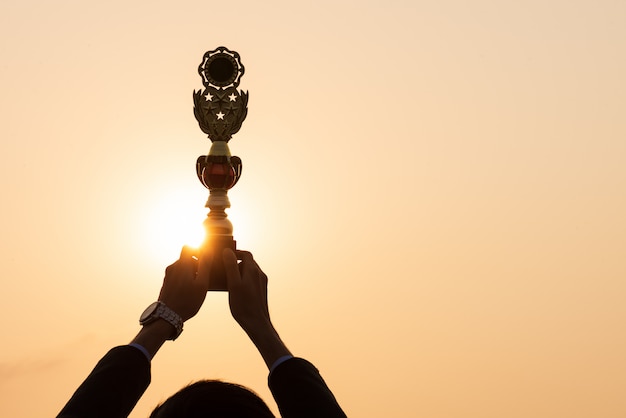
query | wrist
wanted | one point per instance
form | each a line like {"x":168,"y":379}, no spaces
{"x":159,"y":328}
{"x":153,"y":335}
{"x":269,"y":343}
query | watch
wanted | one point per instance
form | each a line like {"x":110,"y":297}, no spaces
{"x":160,"y":310}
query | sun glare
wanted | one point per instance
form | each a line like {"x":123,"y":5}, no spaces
{"x":172,"y":222}
{"x":174,"y":218}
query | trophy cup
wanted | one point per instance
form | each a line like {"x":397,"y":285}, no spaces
{"x":220,"y":109}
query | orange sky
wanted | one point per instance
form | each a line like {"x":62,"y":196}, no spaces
{"x":436,"y":190}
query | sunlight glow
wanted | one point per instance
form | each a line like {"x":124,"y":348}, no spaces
{"x":172,"y":222}
{"x":174,"y":217}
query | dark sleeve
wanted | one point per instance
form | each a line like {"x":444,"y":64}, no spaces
{"x":300,"y":391}
{"x":113,"y":387}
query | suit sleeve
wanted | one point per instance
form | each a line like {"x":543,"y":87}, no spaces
{"x":300,"y":391}
{"x":113,"y":387}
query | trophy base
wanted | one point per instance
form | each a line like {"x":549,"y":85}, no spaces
{"x":218,"y":280}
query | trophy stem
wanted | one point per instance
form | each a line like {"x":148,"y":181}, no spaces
{"x":219,"y":235}
{"x":217,"y":222}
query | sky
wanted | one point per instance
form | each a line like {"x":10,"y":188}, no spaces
{"x":436,"y":191}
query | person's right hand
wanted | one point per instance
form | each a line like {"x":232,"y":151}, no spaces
{"x":247,"y":296}
{"x":247,"y":290}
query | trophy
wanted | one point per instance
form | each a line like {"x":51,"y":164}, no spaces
{"x":220,"y":110}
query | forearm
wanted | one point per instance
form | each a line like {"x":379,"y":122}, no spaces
{"x":113,"y":387}
{"x":267,"y":341}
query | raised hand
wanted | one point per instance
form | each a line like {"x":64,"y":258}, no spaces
{"x":247,"y":296}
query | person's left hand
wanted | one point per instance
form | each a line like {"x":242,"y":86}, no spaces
{"x":186,"y":282}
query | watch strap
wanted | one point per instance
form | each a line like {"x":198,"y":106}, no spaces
{"x":164,"y":312}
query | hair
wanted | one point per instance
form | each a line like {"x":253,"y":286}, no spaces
{"x":213,"y":399}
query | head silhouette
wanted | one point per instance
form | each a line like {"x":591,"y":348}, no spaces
{"x":213,"y":399}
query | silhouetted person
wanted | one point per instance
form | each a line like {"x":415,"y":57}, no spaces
{"x":123,"y":374}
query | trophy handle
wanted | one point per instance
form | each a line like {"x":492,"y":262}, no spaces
{"x":238,"y":166}
{"x":200,"y":164}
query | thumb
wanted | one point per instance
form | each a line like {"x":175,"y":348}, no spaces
{"x":187,"y":252}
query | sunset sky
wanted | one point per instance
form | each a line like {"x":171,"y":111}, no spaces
{"x":436,"y":190}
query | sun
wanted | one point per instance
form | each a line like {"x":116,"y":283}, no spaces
{"x":173,"y":216}
{"x":171,"y":220}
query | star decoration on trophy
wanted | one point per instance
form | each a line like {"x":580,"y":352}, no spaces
{"x":220,"y":109}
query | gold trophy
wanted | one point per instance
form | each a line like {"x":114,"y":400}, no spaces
{"x":220,"y":110}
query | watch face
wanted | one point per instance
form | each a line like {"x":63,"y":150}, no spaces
{"x":148,"y":312}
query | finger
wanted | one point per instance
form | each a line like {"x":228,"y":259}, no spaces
{"x":184,"y":255}
{"x":249,"y":268}
{"x":188,"y":261}
{"x":188,"y":256}
{"x":244,"y":255}
{"x":188,"y":252}
{"x":233,"y":277}
{"x":203,"y":275}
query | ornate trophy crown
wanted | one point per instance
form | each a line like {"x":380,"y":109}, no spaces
{"x":220,"y":108}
